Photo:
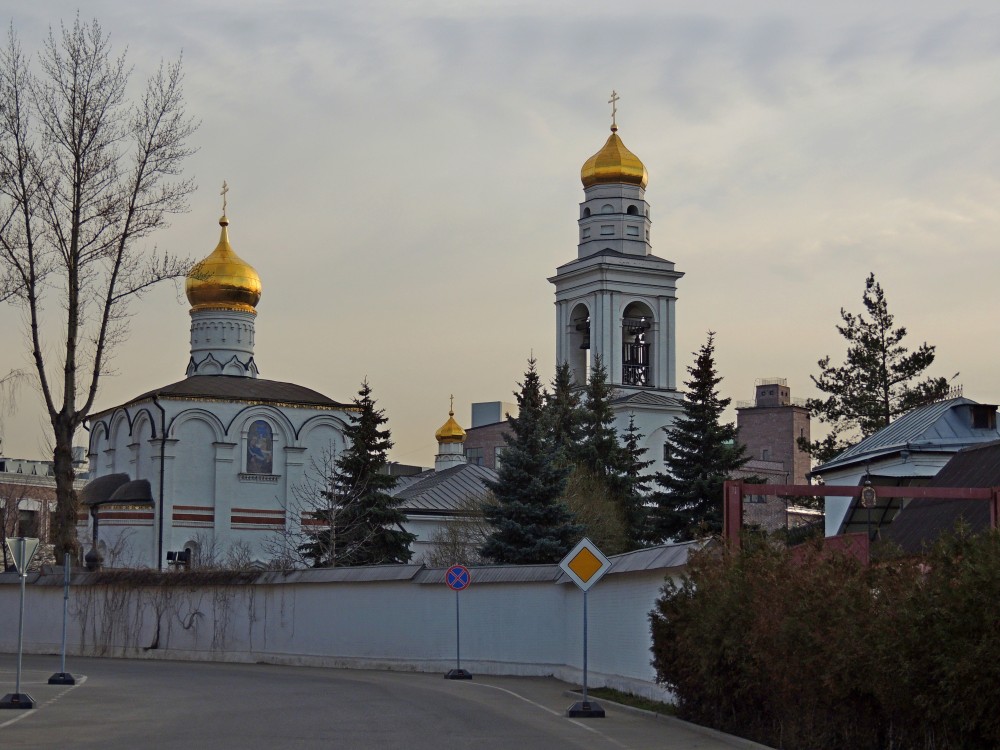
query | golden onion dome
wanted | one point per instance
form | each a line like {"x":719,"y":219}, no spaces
{"x":614,"y":164}
{"x":450,"y":432}
{"x":223,"y":280}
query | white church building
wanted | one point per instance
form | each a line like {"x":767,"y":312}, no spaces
{"x":222,"y":450}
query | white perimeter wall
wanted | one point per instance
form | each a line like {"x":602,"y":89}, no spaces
{"x":523,"y":628}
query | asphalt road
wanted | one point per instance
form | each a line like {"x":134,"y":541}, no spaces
{"x":129,"y":704}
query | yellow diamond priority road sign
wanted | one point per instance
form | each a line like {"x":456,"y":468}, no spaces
{"x":585,"y":564}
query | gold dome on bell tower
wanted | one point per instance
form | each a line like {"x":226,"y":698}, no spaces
{"x":223,"y":280}
{"x":613,"y":163}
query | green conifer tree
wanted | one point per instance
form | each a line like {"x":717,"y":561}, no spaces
{"x":598,"y":449}
{"x":876,"y":382}
{"x":530,"y":523}
{"x":363,"y":522}
{"x":563,"y":413}
{"x":631,"y":485}
{"x":701,"y":454}
{"x":616,"y":460}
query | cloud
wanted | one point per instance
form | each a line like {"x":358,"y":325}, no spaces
{"x":405,"y":176}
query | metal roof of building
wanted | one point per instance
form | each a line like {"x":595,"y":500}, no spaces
{"x":609,"y":253}
{"x":367,"y":573}
{"x":661,"y":557}
{"x":444,"y":491}
{"x":922,"y":521}
{"x":236,"y":388}
{"x":940,"y":427}
{"x":101,"y":489}
{"x":649,"y":398}
{"x":497,"y":574}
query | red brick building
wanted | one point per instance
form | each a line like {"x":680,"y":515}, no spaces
{"x":769,"y":428}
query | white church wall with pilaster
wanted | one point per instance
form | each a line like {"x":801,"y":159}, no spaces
{"x":212,"y":497}
{"x":141,"y":450}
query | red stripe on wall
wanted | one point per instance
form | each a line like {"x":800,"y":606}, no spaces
{"x":208,"y":518}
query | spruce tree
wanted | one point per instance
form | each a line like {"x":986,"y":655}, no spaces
{"x":598,"y":449}
{"x":530,"y":523}
{"x":632,"y":484}
{"x":875,"y":384}
{"x":701,"y":454}
{"x":616,"y":460}
{"x":563,"y":413}
{"x":363,"y":523}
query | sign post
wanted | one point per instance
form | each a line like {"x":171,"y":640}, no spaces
{"x":585,"y":565}
{"x":62,"y":677}
{"x":22,"y":549}
{"x":458,"y":578}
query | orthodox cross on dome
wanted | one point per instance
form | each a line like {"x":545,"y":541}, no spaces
{"x":613,"y":101}
{"x":451,"y":406}
{"x":225,"y":189}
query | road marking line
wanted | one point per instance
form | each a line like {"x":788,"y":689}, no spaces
{"x":25,"y":712}
{"x":580,"y":724}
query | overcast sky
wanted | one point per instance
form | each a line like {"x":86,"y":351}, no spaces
{"x":405,"y":176}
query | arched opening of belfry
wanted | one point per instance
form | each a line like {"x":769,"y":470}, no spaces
{"x":637,"y":323}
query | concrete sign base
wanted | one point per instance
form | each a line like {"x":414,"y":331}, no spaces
{"x":17,"y":700}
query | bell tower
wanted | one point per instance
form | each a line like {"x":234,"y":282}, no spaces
{"x":617,"y":300}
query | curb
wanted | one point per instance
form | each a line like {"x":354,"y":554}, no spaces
{"x":730,"y":739}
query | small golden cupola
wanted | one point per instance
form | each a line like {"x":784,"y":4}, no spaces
{"x":613,"y":163}
{"x":451,"y":438}
{"x":223,"y":280}
{"x":451,"y":431}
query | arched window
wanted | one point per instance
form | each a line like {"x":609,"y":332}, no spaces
{"x":586,"y":212}
{"x":632,"y":210}
{"x":607,"y":208}
{"x":260,"y":445}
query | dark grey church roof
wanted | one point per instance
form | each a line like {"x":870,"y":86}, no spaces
{"x":443,"y":491}
{"x":236,"y":388}
{"x":651,"y":398}
{"x":101,"y":489}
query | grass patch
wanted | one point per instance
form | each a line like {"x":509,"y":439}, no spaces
{"x":635,"y":701}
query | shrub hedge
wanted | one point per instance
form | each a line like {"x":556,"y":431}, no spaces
{"x":828,"y":653}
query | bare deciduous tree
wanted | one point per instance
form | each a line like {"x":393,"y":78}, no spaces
{"x":458,"y":540}
{"x":208,"y":553}
{"x":309,"y":501}
{"x":85,"y":176}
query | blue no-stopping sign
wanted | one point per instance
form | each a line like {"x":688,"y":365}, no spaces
{"x":457,"y":577}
